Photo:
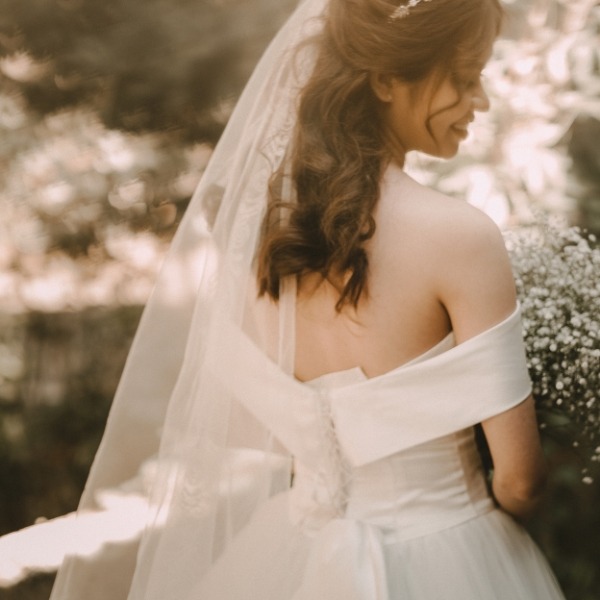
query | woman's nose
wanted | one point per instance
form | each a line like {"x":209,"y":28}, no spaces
{"x":480,"y":100}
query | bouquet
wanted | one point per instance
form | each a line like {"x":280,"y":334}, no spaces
{"x":557,"y":272}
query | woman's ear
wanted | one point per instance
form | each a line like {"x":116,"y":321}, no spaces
{"x":382,"y":84}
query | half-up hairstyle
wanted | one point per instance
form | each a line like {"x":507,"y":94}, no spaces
{"x":338,"y":153}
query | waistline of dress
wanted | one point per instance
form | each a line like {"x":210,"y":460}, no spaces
{"x":396,"y":526}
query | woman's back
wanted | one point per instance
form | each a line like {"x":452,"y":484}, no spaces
{"x":404,"y":312}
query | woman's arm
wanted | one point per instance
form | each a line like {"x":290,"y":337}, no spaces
{"x":519,"y":466}
{"x":477,"y":290}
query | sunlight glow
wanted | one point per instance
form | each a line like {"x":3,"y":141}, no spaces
{"x":42,"y":547}
{"x":22,"y":67}
{"x":123,"y":515}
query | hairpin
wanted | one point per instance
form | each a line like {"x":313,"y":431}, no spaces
{"x":403,"y":10}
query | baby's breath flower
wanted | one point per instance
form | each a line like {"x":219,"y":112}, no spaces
{"x":557,"y":273}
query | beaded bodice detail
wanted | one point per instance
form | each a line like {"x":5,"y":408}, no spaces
{"x":433,"y":485}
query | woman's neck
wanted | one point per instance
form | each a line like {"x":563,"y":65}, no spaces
{"x":395,"y":150}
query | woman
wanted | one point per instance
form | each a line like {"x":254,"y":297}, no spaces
{"x":311,"y":388}
{"x":399,"y":266}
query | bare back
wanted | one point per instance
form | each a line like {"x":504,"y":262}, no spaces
{"x":406,"y":311}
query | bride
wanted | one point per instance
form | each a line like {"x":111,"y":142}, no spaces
{"x":301,"y":395}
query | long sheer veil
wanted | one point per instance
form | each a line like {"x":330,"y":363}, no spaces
{"x":176,"y":427}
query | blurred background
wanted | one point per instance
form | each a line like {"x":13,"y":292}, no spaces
{"x":108,"y":112}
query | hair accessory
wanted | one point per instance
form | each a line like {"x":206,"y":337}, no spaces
{"x":403,"y":10}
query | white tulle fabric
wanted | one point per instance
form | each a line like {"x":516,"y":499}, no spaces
{"x":173,"y":427}
{"x":261,"y":487}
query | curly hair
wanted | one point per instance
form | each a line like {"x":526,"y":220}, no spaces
{"x":338,"y":152}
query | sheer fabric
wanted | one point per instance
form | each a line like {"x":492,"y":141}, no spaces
{"x":174,"y":431}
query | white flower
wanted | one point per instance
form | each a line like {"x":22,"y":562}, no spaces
{"x":557,"y":273}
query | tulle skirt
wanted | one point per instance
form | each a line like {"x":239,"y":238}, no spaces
{"x":488,"y":557}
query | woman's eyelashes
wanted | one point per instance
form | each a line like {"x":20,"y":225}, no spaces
{"x":465,"y":81}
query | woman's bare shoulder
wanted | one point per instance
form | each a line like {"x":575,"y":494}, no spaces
{"x":458,"y":249}
{"x":441,"y":222}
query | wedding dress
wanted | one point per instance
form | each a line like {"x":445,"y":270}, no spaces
{"x":261,"y":487}
{"x":389,"y":500}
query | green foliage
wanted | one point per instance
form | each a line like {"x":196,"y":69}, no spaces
{"x":585,"y":152}
{"x":76,"y":188}
{"x":72,"y":180}
{"x":51,"y":427}
{"x":37,"y":587}
{"x":143,"y":65}
{"x":567,"y":525}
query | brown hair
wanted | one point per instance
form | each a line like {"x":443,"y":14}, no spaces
{"x":338,"y":150}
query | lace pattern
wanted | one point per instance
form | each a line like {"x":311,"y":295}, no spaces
{"x":322,"y":494}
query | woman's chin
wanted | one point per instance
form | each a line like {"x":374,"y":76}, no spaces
{"x":446,"y":151}
{"x":448,"y":148}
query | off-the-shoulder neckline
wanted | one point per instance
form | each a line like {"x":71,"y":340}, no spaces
{"x":359,"y":371}
{"x":417,"y":361}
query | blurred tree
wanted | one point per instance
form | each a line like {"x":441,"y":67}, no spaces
{"x":52,"y":417}
{"x":143,"y":65}
{"x":585,"y":152}
{"x":75,"y":77}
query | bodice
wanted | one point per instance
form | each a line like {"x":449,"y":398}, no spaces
{"x":419,"y":490}
{"x":394,"y":451}
{"x":380,"y":463}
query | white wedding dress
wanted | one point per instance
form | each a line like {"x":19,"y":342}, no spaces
{"x":389,"y":500}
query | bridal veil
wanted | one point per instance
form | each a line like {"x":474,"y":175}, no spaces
{"x":175,"y":429}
